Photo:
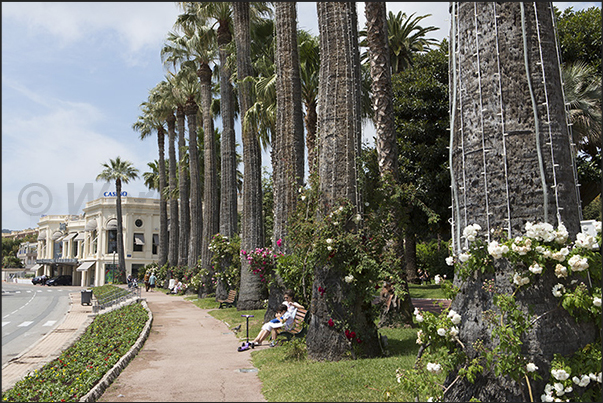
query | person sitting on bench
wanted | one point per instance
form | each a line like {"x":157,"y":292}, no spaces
{"x":287,"y":323}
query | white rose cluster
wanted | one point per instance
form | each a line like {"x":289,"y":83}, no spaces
{"x":454,"y":317}
{"x":470,"y":232}
{"x":418,"y":316}
{"x":535,"y":268}
{"x":560,"y":374}
{"x":434,"y":367}
{"x":497,"y":250}
{"x":558,"y":290}
{"x":450,"y":261}
{"x":578,"y":263}
{"x":560,"y":271}
{"x":518,"y":280}
{"x":540,"y":232}
{"x":520,"y":249}
{"x":586,"y":241}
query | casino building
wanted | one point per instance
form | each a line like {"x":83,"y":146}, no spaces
{"x":85,"y":246}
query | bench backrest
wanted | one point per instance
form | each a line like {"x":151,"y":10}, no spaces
{"x":231,"y":295}
{"x":300,"y":317}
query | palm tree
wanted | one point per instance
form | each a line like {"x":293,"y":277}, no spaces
{"x":406,"y":37}
{"x":582,"y":90}
{"x":221,"y":13}
{"x":504,"y":160}
{"x":120,"y":172}
{"x":152,"y":120}
{"x":288,"y":140}
{"x":339,"y":128}
{"x":165,"y":93}
{"x":309,"y":59}
{"x":252,"y":225}
{"x":398,"y":309}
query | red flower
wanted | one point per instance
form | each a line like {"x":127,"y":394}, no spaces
{"x":358,"y":340}
{"x":347,"y":333}
{"x":352,"y":335}
{"x":331,"y":324}
{"x":321,"y":290}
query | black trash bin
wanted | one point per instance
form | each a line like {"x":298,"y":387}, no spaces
{"x":86,"y":297}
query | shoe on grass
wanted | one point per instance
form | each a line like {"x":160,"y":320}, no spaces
{"x":273,"y":344}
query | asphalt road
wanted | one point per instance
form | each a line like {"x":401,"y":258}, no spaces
{"x":28,"y":313}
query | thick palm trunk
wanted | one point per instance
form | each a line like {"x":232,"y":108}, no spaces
{"x":173,"y":201}
{"x":511,"y":163}
{"x":339,"y":132}
{"x":211,"y":216}
{"x":228,"y":161}
{"x":252,"y":223}
{"x":120,"y":228}
{"x":183,"y":185}
{"x":163,"y":218}
{"x":387,"y":150}
{"x":194,"y":253}
{"x":288,"y":142}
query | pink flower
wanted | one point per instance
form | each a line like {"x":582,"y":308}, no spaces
{"x":279,"y":242}
{"x":243,"y":252}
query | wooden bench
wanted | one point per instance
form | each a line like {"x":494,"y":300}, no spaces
{"x":299,"y":328}
{"x":230,"y":300}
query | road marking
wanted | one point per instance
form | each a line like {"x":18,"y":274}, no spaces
{"x":5,"y":323}
{"x":24,"y":324}
{"x":50,"y":323}
{"x":17,"y":292}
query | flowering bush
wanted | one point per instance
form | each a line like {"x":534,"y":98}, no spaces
{"x":225,"y":260}
{"x":542,"y":248}
{"x":262,"y":261}
{"x":75,"y":372}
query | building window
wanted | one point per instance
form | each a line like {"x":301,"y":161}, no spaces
{"x":138,"y":223}
{"x":155,"y":243}
{"x":58,"y":250}
{"x":111,"y":241}
{"x":138,"y":242}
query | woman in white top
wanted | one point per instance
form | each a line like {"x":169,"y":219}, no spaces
{"x":287,"y":320}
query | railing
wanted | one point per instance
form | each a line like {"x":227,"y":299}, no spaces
{"x":114,"y":298}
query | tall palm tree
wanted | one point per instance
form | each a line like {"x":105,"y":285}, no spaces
{"x":152,"y":120}
{"x":252,"y":225}
{"x":511,"y":163}
{"x":288,"y":139}
{"x":120,"y":172}
{"x":221,"y":13}
{"x":309,"y":59}
{"x":397,"y":309}
{"x":165,"y":93}
{"x":339,"y":128}
{"x":198,"y":44}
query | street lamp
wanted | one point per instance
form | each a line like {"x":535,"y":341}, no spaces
{"x":113,"y":269}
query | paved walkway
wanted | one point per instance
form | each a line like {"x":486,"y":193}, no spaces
{"x":189,"y":356}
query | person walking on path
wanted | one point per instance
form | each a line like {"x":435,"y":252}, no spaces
{"x":146,"y":281}
{"x":152,"y":280}
{"x":206,"y":368}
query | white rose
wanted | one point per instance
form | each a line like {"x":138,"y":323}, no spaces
{"x":329,"y":241}
{"x":531,"y":367}
{"x":456,"y":319}
{"x":535,"y":268}
{"x":419,"y":318}
{"x":437,"y":279}
{"x":454,"y":331}
{"x":349,"y":278}
{"x":463,"y":257}
{"x":597,"y":301}
{"x":442,"y":331}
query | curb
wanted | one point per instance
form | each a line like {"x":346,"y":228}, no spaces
{"x":102,"y":385}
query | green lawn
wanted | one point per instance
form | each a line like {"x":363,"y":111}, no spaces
{"x":426,"y":291}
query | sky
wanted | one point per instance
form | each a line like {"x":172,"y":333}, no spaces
{"x":73,"y":78}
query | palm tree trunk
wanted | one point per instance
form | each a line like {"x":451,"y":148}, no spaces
{"x":190,"y":110}
{"x":387,"y":150}
{"x":228,"y":160}
{"x":288,"y":142}
{"x":339,"y":138}
{"x":511,"y":163}
{"x":120,"y":227}
{"x":163,"y":218}
{"x":211,"y":216}
{"x":252,"y":225}
{"x":183,"y":185}
{"x":173,"y":230}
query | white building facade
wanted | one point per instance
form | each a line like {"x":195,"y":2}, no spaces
{"x":85,"y":246}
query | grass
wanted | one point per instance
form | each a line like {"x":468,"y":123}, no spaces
{"x":426,"y":291}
